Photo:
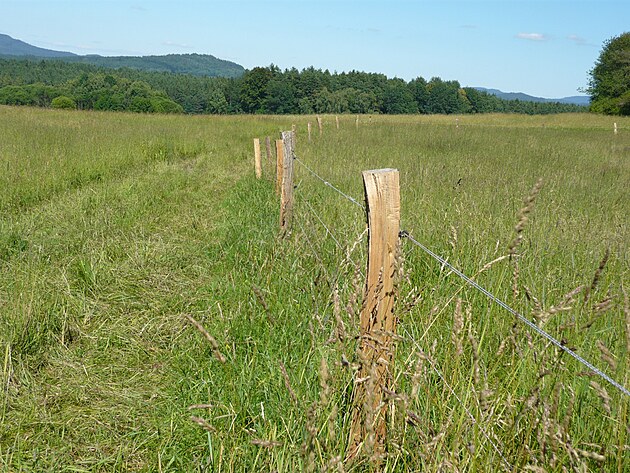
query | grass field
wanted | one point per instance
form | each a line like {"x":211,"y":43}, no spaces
{"x":116,"y":229}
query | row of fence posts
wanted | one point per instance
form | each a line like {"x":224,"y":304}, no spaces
{"x":377,"y":320}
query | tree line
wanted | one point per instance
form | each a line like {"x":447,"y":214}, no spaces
{"x":261,"y":90}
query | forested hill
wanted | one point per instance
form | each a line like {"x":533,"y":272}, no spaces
{"x":266,"y":90}
{"x":14,"y":47}
{"x":194,"y":64}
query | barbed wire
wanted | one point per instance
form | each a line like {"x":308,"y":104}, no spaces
{"x":351,"y":199}
{"x":461,"y":403}
{"x":495,"y":299}
{"x":523,"y":319}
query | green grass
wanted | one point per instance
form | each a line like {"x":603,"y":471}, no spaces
{"x":115,"y":226}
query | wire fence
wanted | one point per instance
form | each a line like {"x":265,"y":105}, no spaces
{"x":332,"y":232}
{"x":406,"y":235}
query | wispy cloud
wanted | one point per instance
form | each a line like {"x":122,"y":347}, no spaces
{"x":139,"y":8}
{"x":532,"y":36}
{"x":176,"y":45}
{"x":579,"y":41}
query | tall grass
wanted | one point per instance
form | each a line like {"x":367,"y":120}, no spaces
{"x":102,"y":278}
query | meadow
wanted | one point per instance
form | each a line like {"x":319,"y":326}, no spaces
{"x":119,"y":231}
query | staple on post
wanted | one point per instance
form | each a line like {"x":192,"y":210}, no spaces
{"x":378,"y":322}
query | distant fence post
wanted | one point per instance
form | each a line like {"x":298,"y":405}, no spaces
{"x":319,"y":124}
{"x":286,"y":195}
{"x":268,"y":150}
{"x":308,"y":126}
{"x":356,"y":122}
{"x":378,"y":323}
{"x":337,"y":121}
{"x":615,"y":127}
{"x":279,"y":163}
{"x":257,"y":164}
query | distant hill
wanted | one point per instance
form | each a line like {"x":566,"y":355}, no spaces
{"x":195,"y":64}
{"x":575,"y":99}
{"x":15,"y":47}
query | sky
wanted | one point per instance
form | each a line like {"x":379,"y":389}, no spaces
{"x":542,"y":48}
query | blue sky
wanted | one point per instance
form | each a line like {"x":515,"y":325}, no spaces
{"x":543,"y":48}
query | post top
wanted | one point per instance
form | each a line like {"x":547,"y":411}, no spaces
{"x":381,"y":171}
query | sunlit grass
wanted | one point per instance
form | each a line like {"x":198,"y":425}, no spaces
{"x":115,"y":226}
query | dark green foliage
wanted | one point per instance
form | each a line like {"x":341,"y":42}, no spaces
{"x":260,"y":90}
{"x":609,"y":85}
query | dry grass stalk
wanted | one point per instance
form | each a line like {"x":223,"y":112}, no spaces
{"x":203,"y":423}
{"x":458,"y":325}
{"x":453,"y":240}
{"x":626,"y":311}
{"x":603,"y":395}
{"x":606,"y":355}
{"x":266,"y":443}
{"x":309,"y":446}
{"x":200,"y":406}
{"x":523,"y":217}
{"x":213,"y":343}
{"x":597,"y":275}
{"x":287,"y":383}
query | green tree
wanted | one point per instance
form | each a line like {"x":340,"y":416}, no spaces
{"x":63,"y":102}
{"x":254,"y":89}
{"x":609,"y":84}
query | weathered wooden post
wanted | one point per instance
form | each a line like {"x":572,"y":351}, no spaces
{"x":378,"y":322}
{"x":308,"y":126}
{"x":257,"y":164}
{"x":319,"y":124}
{"x":268,"y":150}
{"x":286,"y":194}
{"x":279,"y":164}
{"x":356,"y":122}
{"x":615,"y":127}
{"x":337,"y":121}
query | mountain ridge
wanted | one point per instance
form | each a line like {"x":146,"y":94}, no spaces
{"x":574,"y":99}
{"x":194,"y":64}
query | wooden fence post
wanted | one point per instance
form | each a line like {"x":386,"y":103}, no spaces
{"x":308,"y":126}
{"x":286,"y":195}
{"x":319,"y":124}
{"x":378,"y":322}
{"x":268,"y":149}
{"x":257,"y":164}
{"x":615,"y":128}
{"x":337,"y":121}
{"x":356,"y":123}
{"x":279,"y":164}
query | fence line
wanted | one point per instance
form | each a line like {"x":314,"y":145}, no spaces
{"x":495,"y":299}
{"x":351,"y":199}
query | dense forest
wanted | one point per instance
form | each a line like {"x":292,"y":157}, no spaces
{"x":54,"y":83}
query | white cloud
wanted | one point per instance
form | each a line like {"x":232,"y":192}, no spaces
{"x":532,"y":36}
{"x":176,"y":45}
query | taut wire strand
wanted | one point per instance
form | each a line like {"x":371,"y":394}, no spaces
{"x":520,"y":317}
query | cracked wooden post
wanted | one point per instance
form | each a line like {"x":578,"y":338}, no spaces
{"x":378,"y":322}
{"x":286,"y":194}
{"x":279,"y":163}
{"x":257,"y":164}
